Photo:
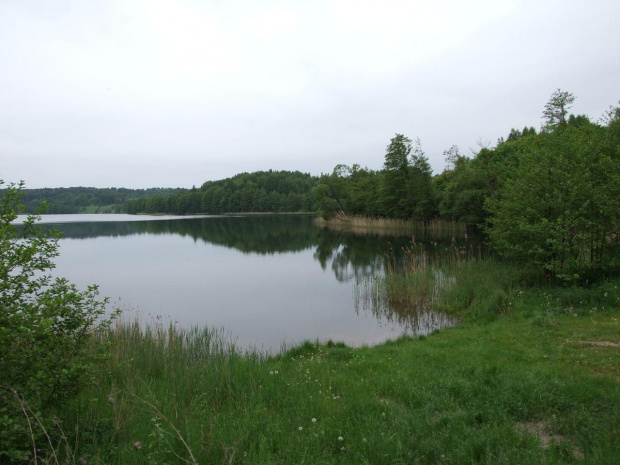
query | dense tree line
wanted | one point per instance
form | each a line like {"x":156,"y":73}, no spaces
{"x":85,"y":199}
{"x":550,"y":199}
{"x":403,"y":189}
{"x":261,"y":191}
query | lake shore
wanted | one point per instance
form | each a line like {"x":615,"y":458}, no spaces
{"x":536,"y":384}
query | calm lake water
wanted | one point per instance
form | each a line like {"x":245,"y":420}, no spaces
{"x":265,"y":280}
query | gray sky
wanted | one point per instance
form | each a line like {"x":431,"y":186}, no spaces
{"x":154,"y":93}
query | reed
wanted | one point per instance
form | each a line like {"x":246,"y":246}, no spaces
{"x":393,"y":226}
{"x":423,"y":280}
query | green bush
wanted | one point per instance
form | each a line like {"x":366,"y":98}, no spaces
{"x":47,"y":349}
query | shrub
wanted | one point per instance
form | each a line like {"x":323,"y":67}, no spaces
{"x":47,"y":347}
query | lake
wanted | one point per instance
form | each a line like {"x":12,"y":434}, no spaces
{"x":265,"y":280}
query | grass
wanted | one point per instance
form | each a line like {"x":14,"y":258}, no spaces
{"x":537,"y":384}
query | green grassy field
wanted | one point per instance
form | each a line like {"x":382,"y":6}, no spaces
{"x":536,"y":383}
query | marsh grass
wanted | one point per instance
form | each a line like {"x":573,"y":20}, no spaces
{"x":436,"y":284}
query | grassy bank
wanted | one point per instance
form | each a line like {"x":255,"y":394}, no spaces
{"x":538,"y":383}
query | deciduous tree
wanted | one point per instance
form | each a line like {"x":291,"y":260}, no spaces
{"x":557,"y":108}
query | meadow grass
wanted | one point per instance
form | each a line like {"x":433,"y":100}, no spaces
{"x":538,"y":383}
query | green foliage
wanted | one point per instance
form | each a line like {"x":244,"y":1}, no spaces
{"x":403,"y":189}
{"x":557,"y":108}
{"x":331,"y":193}
{"x":46,"y":328}
{"x":465,"y":187}
{"x":548,"y":200}
{"x":422,"y":194}
{"x":463,"y":196}
{"x":516,"y":134}
{"x":350,"y":190}
{"x":85,"y":199}
{"x":261,"y":192}
{"x":560,"y":211}
{"x":394,"y":188}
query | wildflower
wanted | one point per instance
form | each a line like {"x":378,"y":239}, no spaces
{"x":314,"y":420}
{"x":301,"y":428}
{"x":111,"y":400}
{"x":137,"y":445}
{"x":340,"y":438}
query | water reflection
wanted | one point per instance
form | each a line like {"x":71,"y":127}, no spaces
{"x":261,"y":234}
{"x":256,"y":276}
{"x":349,"y":256}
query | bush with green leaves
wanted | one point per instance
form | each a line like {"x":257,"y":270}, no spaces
{"x":47,"y":348}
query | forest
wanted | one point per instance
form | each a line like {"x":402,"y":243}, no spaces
{"x":262,"y":191}
{"x":68,"y":200}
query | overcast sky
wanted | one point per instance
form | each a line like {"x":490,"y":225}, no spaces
{"x":163,"y":93}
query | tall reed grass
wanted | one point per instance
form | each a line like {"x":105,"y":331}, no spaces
{"x":158,"y":393}
{"x":393,"y":226}
{"x":424,"y":282}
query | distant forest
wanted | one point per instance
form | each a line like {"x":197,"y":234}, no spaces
{"x":86,"y":199}
{"x":262,"y":191}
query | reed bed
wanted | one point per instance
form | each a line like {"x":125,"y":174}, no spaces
{"x":422,"y":281}
{"x":393,"y":227}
